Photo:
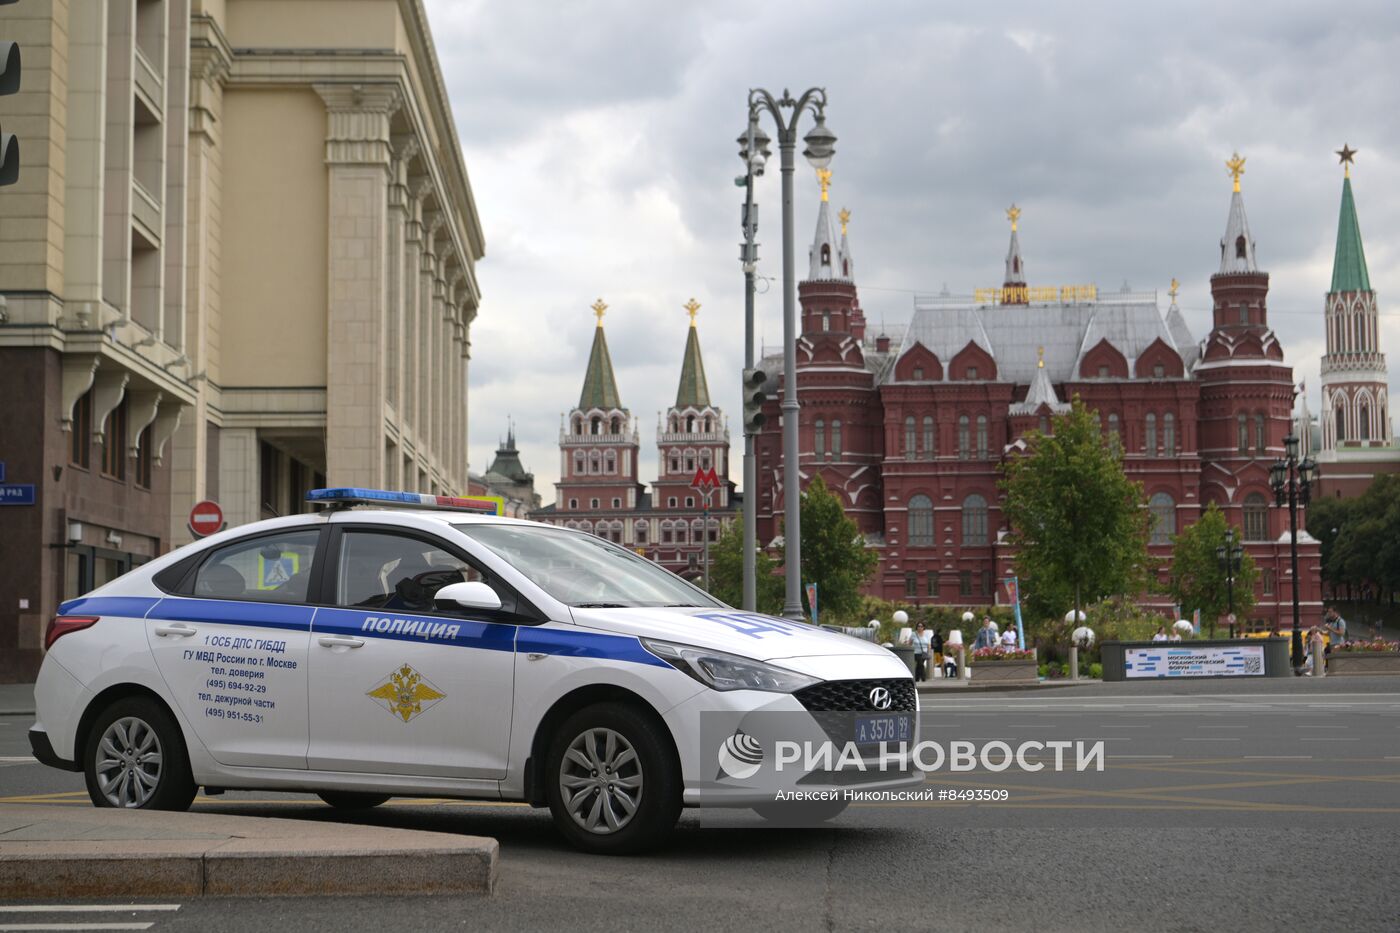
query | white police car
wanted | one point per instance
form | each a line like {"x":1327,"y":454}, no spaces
{"x":424,"y":650}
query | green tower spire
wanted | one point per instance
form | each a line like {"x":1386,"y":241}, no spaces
{"x":694,"y":391}
{"x":599,"y":385}
{"x":1349,"y":266}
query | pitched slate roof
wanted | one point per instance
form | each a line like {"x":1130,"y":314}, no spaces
{"x":1349,"y":265}
{"x":694,"y":391}
{"x":599,"y":384}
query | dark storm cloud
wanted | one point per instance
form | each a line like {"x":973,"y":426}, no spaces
{"x":1107,"y":123}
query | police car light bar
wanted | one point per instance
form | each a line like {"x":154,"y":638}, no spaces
{"x":354,"y":495}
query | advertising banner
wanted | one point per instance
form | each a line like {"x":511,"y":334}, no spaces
{"x":1241,"y":661}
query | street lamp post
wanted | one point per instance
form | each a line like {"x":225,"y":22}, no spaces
{"x":1229,"y":556}
{"x":821,"y":146}
{"x":753,"y":149}
{"x":1292,"y":480}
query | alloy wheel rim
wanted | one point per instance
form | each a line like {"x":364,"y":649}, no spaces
{"x":600,"y":781}
{"x":129,"y":761}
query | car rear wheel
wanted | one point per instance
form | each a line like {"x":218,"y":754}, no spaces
{"x":351,"y":800}
{"x":135,"y":758}
{"x":613,"y":785}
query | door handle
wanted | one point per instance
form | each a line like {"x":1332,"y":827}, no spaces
{"x":339,"y":641}
{"x":175,"y":628}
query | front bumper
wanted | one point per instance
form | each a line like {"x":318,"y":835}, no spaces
{"x":43,"y":750}
{"x":746,"y":747}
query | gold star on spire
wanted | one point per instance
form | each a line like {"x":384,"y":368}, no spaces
{"x":599,"y":309}
{"x":845,"y":217}
{"x":1347,"y":155}
{"x":1040,"y":357}
{"x":824,"y":179}
{"x":1236,"y":166}
{"x":1176,"y":286}
{"x":1013,"y":214}
{"x":692,"y":306}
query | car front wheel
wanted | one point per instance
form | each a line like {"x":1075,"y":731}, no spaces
{"x":135,"y":758}
{"x":613,"y":785}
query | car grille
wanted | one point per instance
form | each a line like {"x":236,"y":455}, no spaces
{"x":854,"y":696}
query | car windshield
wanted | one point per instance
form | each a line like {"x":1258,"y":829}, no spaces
{"x":583,"y":571}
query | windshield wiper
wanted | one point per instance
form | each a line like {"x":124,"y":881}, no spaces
{"x":599,"y":606}
{"x":683,"y":606}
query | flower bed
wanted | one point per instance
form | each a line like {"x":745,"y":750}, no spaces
{"x":1364,"y":657}
{"x":1003,"y":664}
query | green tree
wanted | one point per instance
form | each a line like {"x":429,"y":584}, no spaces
{"x":1078,"y":523}
{"x":1198,"y":581}
{"x":834,"y":555}
{"x":1364,"y":551}
{"x":727,"y":572}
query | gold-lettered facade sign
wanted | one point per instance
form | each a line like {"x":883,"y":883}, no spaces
{"x":1038,"y":294}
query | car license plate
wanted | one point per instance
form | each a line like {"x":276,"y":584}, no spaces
{"x":892,"y":727}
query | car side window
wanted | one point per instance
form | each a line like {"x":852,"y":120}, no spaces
{"x":397,"y":572}
{"x":269,"y":568}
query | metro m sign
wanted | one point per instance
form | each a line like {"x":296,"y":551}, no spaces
{"x":705,"y":479}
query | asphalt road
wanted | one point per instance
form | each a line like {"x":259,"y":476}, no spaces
{"x":1252,"y":806}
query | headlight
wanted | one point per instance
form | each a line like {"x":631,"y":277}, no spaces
{"x":721,"y":671}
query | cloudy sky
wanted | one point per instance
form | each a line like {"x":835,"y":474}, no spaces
{"x":599,"y":137}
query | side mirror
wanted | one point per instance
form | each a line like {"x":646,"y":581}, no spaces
{"x":474,"y":595}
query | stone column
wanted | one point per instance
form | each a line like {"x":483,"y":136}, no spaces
{"x":359,"y":159}
{"x":427,"y":318}
{"x":210,"y":61}
{"x":400,"y":285}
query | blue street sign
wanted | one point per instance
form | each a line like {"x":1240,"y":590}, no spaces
{"x":2,"y":471}
{"x":16,"y":493}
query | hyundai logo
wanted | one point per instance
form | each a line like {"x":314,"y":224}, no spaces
{"x":880,"y":698}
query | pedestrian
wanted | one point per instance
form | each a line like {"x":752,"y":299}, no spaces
{"x":1008,"y":638}
{"x":950,"y":647}
{"x":1160,"y":634}
{"x":936,"y":650}
{"x":921,"y":642}
{"x":1335,"y":627}
{"x":986,"y":638}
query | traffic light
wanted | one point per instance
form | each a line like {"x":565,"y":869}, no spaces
{"x":9,"y":84}
{"x":754,"y":398}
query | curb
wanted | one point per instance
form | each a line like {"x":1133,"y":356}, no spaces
{"x":995,"y":687}
{"x":195,"y":855}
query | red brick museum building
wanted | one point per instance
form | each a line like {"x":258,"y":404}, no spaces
{"x":910,"y":431}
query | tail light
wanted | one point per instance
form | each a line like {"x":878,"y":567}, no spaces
{"x":62,"y":625}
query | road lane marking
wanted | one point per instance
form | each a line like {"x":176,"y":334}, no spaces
{"x":82,"y":908}
{"x":75,"y":926}
{"x":1278,"y":757}
{"x":10,"y":759}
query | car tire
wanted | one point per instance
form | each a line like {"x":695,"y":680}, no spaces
{"x":135,"y":758}
{"x":795,"y":814}
{"x":351,"y":800}
{"x":629,"y":804}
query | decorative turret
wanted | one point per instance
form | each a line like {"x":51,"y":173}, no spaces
{"x":599,"y":384}
{"x":1014,"y":284}
{"x":1239,"y":288}
{"x":825,"y":252}
{"x":693,"y":392}
{"x":1355,"y":380}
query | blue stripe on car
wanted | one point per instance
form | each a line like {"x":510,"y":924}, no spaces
{"x":491,"y":636}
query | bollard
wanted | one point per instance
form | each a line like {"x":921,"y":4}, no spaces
{"x":1319,"y":659}
{"x":1073,"y":662}
{"x":963,"y":672}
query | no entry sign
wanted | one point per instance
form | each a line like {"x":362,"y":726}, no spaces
{"x":206,"y":518}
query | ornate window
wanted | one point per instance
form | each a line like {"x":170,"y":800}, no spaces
{"x":580,"y":463}
{"x":932,"y":580}
{"x":835,"y":439}
{"x":1163,"y":509}
{"x":1045,"y":425}
{"x":1243,"y":433}
{"x":1150,"y":437}
{"x":595,"y":462}
{"x":911,"y":584}
{"x":1159,"y":371}
{"x":1259,"y":433}
{"x":964,"y":439}
{"x":1169,"y":434}
{"x":596,"y":425}
{"x":826,"y":315}
{"x":819,"y":438}
{"x":910,"y":440}
{"x":930,"y":438}
{"x":921,"y":521}
{"x":918,"y":373}
{"x":610,"y":462}
{"x":974,"y":521}
{"x":1341,"y":424}
{"x":639,"y":533}
{"x":1114,"y":434}
{"x":981,"y":437}
{"x":1256,"y":518}
{"x":1363,"y":421}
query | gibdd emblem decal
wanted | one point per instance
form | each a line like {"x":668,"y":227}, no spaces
{"x":405,"y":693}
